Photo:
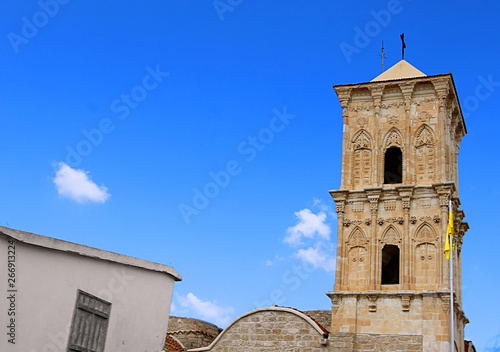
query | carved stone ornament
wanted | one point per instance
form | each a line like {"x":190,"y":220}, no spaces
{"x":425,"y":137}
{"x":437,"y":219}
{"x":348,"y":222}
{"x":361,"y":121}
{"x":368,"y":221}
{"x":390,"y":205}
{"x":393,"y":220}
{"x":362,"y":141}
{"x":340,"y":205}
{"x":380,"y":221}
{"x":394,"y":103}
{"x":413,"y":220}
{"x":406,"y":203}
{"x":445,"y":302}
{"x":405,"y":302}
{"x":357,"y":239}
{"x":420,"y":101}
{"x":360,"y":107}
{"x":372,"y":302}
{"x":425,"y":203}
{"x":423,"y":116}
{"x":391,"y":236}
{"x":358,"y":207}
{"x":444,"y":200}
{"x":394,"y":139}
{"x":425,"y":235}
{"x":393,"y":120}
{"x":335,"y":304}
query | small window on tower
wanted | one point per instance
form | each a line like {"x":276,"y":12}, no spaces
{"x":393,"y":166}
{"x":390,"y":265}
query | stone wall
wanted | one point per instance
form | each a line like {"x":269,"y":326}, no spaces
{"x":324,"y":317}
{"x":349,"y":342}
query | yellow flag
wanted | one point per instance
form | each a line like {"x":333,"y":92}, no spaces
{"x":449,"y":232}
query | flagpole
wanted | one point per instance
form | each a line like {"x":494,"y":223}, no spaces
{"x":452,"y":306}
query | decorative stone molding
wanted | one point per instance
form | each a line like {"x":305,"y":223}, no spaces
{"x":340,"y":197}
{"x":393,"y":120}
{"x":357,"y":238}
{"x":393,"y":139}
{"x":424,"y":203}
{"x":373,"y":196}
{"x":405,"y":302}
{"x":392,"y":104}
{"x":390,"y":205}
{"x":445,"y":302}
{"x":426,"y":234}
{"x":391,"y":236}
{"x":425,"y":136}
{"x":405,"y":192}
{"x":361,"y":140}
{"x":444,"y":191}
{"x":393,"y":220}
{"x":368,"y":221}
{"x":413,"y":220}
{"x":348,"y":222}
{"x":336,"y":299}
{"x":358,"y":207}
{"x":372,"y":302}
{"x":437,"y":219}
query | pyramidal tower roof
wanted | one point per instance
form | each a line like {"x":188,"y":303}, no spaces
{"x":399,"y":71}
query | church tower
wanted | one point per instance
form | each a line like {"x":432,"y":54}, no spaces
{"x":401,"y":137}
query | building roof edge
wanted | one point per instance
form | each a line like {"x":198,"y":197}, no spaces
{"x":86,"y":251}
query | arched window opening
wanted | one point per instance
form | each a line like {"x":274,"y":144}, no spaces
{"x":390,"y":265}
{"x":393,"y":166}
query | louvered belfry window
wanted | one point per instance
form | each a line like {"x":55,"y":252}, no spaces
{"x":90,"y":324}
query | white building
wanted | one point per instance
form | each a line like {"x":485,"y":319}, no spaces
{"x":62,"y":296}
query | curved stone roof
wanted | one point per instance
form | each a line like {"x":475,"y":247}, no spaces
{"x":314,"y":324}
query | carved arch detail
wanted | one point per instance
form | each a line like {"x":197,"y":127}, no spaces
{"x":393,"y":138}
{"x":361,"y":159}
{"x":391,"y":236}
{"x":425,"y":155}
{"x":362,"y":140}
{"x":357,"y":238}
{"x":424,"y":136}
{"x":425,"y":234}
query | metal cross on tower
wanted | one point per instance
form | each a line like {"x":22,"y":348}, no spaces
{"x":404,"y":45}
{"x":382,"y":56}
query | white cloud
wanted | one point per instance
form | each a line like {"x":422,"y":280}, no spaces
{"x":208,"y":310}
{"x":309,"y":225}
{"x":76,"y":184}
{"x":173,"y":307}
{"x":269,"y":262}
{"x":317,"y":257}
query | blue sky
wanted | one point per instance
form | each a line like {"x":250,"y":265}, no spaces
{"x":116,"y":116}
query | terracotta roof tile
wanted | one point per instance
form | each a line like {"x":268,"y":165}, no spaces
{"x":172,"y":345}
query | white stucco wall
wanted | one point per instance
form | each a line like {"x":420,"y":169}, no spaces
{"x":47,"y":281}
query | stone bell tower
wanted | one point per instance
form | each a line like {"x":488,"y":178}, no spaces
{"x":401,"y":137}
